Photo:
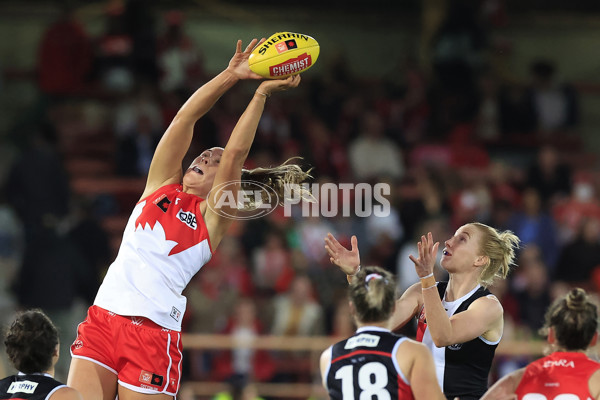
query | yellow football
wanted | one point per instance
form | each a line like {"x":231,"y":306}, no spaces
{"x":284,"y":54}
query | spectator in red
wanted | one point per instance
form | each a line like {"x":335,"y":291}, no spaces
{"x":243,"y":363}
{"x":273,"y":270}
{"x":582,"y":204}
{"x":64,"y":58}
{"x":179,"y":60}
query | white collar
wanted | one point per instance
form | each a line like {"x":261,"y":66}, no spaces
{"x":371,"y":328}
{"x":36,"y":373}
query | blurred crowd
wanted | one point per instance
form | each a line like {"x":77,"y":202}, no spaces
{"x":459,"y":141}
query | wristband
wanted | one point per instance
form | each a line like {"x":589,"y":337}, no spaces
{"x":264,"y":94}
{"x":357,"y":271}
{"x":427,"y":276}
{"x":428,"y":282}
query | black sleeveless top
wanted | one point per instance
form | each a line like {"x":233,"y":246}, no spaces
{"x":365,"y":366}
{"x":29,"y":387}
{"x":466,"y":366}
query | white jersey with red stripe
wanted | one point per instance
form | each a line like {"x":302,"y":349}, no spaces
{"x":164,"y":245}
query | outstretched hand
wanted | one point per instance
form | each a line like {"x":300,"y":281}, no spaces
{"x":347,"y":260}
{"x":427,"y":255}
{"x":277,"y":85}
{"x":238,"y":65}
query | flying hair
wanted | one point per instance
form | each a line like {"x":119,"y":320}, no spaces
{"x":282,"y":179}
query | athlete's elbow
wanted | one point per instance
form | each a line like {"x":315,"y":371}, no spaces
{"x":183,"y":121}
{"x":441,"y":340}
{"x":184,"y":117}
{"x":236,"y":153}
{"x":234,"y":157}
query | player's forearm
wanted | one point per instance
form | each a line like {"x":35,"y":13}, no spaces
{"x":205,"y":97}
{"x":438,"y":323}
{"x":242,"y":136}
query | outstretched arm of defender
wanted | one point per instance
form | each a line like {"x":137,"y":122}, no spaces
{"x":347,"y":260}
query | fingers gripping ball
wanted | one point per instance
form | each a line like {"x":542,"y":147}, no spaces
{"x":284,"y":54}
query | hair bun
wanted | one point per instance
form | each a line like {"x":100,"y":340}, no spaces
{"x":576,"y":299}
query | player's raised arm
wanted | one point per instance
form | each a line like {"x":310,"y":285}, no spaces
{"x":349,"y":262}
{"x":218,"y":213}
{"x":175,"y":142}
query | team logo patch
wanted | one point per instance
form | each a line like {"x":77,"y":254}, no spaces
{"x":188,"y":218}
{"x":362,"y":340}
{"x":157,"y":380}
{"x":78,"y":344}
{"x":150,"y":378}
{"x":281,"y":47}
{"x":162,"y":202}
{"x":175,"y":314}
{"x":456,"y":346}
{"x":422,"y":316}
{"x":22,"y":387}
{"x":146,"y":377}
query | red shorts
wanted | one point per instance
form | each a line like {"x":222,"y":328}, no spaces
{"x":145,"y":356}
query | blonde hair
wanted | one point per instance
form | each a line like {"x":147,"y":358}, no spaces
{"x":499,"y":248}
{"x":282,"y":179}
{"x":373,"y":298}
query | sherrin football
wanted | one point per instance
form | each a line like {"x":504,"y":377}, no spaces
{"x":284,"y":54}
